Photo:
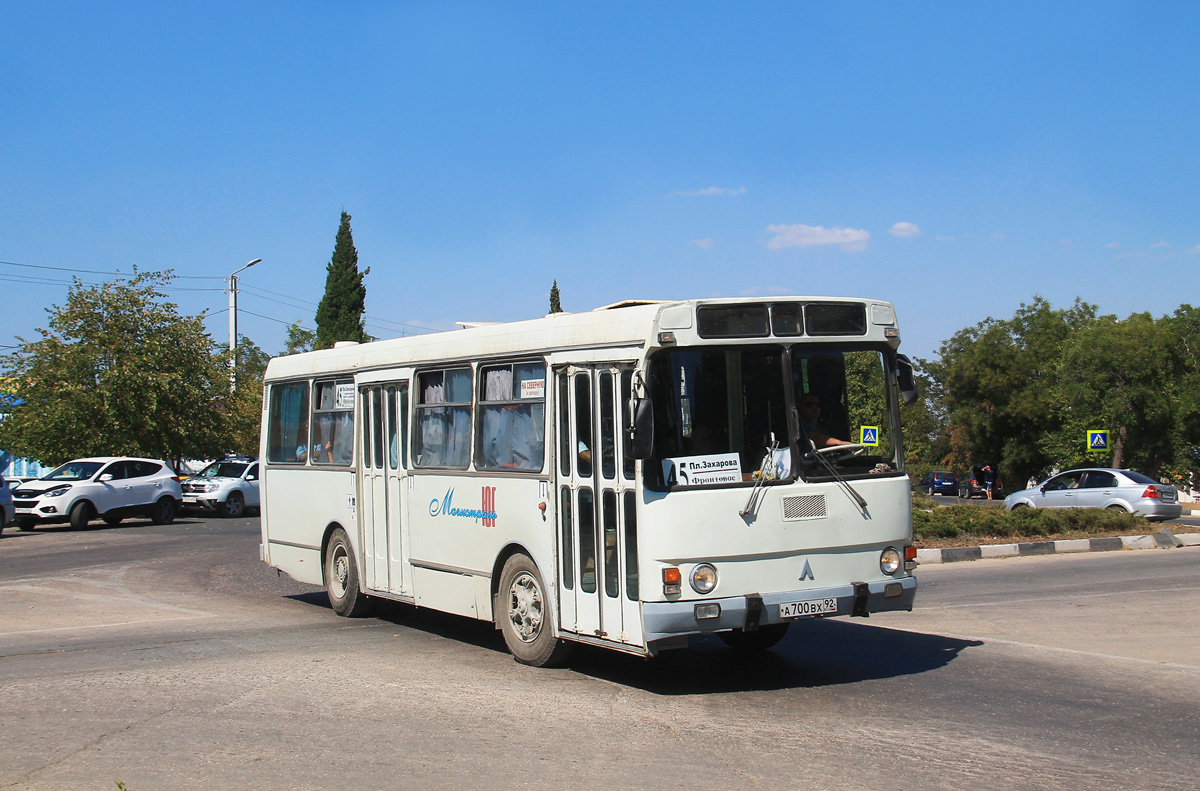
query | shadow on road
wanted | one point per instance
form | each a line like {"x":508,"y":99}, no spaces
{"x":815,"y":653}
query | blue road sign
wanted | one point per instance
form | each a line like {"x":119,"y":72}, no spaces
{"x":1097,"y":441}
{"x":869,"y":435}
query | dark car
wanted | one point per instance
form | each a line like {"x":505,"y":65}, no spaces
{"x":975,"y":484}
{"x":939,"y":483}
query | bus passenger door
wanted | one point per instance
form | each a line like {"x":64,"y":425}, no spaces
{"x":382,"y":484}
{"x":596,"y":540}
{"x":396,"y":397}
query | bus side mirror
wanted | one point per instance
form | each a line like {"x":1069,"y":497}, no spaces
{"x":908,"y":382}
{"x":639,"y":441}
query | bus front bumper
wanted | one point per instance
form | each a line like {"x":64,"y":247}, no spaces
{"x":663,"y":620}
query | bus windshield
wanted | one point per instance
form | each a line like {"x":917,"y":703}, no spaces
{"x":722,"y":415}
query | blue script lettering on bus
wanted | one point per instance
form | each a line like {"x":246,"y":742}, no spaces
{"x":444,"y":507}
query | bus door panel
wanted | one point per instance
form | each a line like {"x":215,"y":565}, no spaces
{"x":591,"y":486}
{"x":372,"y":501}
{"x":396,"y":422}
{"x":620,"y":608}
{"x":579,"y":607}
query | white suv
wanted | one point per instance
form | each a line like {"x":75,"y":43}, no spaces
{"x":108,"y":487}
{"x":6,"y":505}
{"x":229,"y":487}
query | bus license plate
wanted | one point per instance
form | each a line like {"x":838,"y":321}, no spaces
{"x":797,"y":609}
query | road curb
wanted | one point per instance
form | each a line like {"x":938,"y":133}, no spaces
{"x":1162,"y":540}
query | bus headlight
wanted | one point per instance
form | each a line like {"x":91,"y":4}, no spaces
{"x":889,"y":560}
{"x":704,"y":578}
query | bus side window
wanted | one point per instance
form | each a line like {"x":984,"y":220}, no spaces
{"x":287,"y":423}
{"x":512,"y":417}
{"x":332,"y":423}
{"x":442,"y":430}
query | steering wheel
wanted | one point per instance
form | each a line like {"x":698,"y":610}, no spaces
{"x":852,"y":449}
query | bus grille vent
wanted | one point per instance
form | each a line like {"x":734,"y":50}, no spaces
{"x":803,"y":506}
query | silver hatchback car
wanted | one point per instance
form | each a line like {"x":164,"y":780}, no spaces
{"x":1102,"y":487}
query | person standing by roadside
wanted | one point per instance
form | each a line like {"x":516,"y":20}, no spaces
{"x":989,"y":480}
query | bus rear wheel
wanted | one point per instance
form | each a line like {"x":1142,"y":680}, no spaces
{"x":761,"y":639}
{"x":341,"y":578}
{"x":524,"y":616}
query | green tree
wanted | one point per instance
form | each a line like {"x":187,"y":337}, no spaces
{"x":1122,"y":376}
{"x":119,"y":372}
{"x":243,"y":410}
{"x":340,"y":314}
{"x":996,"y":381}
{"x":299,"y":339}
{"x":926,"y":431}
{"x":555,"y":301}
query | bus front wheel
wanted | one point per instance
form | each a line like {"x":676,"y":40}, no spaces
{"x":341,"y":578}
{"x":760,"y":639}
{"x":524,"y":615}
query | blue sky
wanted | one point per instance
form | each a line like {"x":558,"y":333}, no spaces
{"x":957,"y":158}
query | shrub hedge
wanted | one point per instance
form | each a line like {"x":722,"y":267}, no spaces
{"x":981,"y":522}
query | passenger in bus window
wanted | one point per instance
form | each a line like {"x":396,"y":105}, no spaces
{"x":810,"y":422}
{"x":302,"y":448}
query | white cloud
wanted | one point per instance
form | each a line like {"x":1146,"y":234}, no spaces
{"x":709,"y":192}
{"x":703,"y":244}
{"x":904,"y":230}
{"x":849,"y":239}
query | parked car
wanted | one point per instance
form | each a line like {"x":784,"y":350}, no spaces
{"x":1102,"y":487}
{"x":939,"y":483}
{"x":229,"y":487}
{"x":973,"y":484}
{"x":109,"y":487}
{"x":6,"y":503}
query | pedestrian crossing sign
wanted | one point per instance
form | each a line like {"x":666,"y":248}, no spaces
{"x":869,"y":435}
{"x":1097,"y":441}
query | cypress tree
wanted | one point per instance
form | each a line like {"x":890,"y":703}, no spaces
{"x":340,"y":314}
{"x":555,"y":303}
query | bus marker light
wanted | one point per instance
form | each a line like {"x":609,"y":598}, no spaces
{"x":910,"y":553}
{"x":666,"y":337}
{"x":892,"y":590}
{"x":707,"y":610}
{"x":671,"y":580}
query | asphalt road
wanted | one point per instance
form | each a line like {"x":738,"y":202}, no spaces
{"x":170,"y":658}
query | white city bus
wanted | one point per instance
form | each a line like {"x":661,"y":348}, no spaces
{"x":624,"y":478}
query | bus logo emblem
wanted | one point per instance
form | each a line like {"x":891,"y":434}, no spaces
{"x":806,"y":573}
{"x":486,"y":513}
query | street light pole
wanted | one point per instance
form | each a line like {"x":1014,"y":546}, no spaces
{"x":233,"y":322}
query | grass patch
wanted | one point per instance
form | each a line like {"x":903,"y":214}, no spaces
{"x":968,"y":525}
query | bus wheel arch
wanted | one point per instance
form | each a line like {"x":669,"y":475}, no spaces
{"x":523,"y":612}
{"x":339,"y":573}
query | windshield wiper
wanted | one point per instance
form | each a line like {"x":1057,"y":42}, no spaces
{"x":768,"y":470}
{"x":816,"y":453}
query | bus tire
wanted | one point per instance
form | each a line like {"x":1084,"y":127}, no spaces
{"x":341,"y":578}
{"x":761,"y":639}
{"x":523,"y":615}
